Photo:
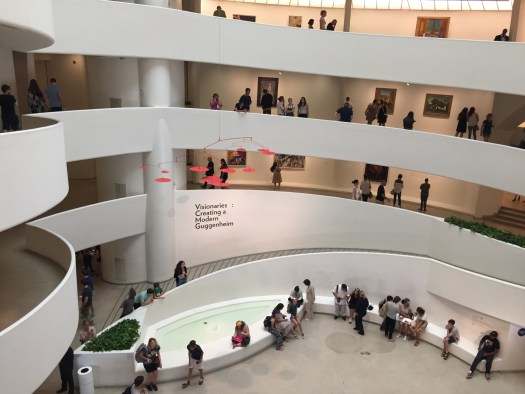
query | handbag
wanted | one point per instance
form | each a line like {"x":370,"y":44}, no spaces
{"x":392,"y":192}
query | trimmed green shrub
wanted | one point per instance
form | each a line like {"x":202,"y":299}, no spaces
{"x":119,"y":337}
{"x":489,"y":231}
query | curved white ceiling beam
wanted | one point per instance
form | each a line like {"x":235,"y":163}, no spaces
{"x":108,"y":132}
{"x":26,"y":25}
{"x":33,"y":169}
{"x":120,"y":29}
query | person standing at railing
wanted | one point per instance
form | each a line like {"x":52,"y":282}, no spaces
{"x":322,"y":20}
{"x":10,"y":120}
{"x":503,"y":36}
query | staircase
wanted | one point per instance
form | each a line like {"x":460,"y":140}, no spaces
{"x":508,"y":216}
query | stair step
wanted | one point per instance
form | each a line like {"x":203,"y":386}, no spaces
{"x":512,"y":211}
{"x":504,"y":221}
{"x":507,"y":216}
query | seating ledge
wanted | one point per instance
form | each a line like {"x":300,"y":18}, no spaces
{"x":433,"y":334}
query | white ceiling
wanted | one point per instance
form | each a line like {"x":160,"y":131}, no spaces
{"x":427,"y":5}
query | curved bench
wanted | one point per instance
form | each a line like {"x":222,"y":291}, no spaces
{"x":433,"y":334}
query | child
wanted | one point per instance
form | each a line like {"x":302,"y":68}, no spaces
{"x":157,"y":291}
{"x":293,"y":318}
{"x":88,"y":331}
{"x":486,"y":128}
{"x":10,"y":121}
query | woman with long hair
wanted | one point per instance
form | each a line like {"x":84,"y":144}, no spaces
{"x":181,"y":273}
{"x":461,"y":128}
{"x":35,"y":98}
{"x":302,"y":108}
{"x":472,"y":123}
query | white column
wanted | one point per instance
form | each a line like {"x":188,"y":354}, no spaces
{"x":348,"y":13}
{"x":31,"y":72}
{"x":154,"y":82}
{"x":160,"y":207}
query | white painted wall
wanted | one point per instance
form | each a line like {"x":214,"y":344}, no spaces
{"x":26,"y":25}
{"x":145,"y":25}
{"x":33,"y":171}
{"x":113,"y":77}
{"x":57,"y":312}
{"x":263,"y":221}
{"x":475,"y":25}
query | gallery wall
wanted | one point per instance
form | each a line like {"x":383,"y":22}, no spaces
{"x":475,"y":25}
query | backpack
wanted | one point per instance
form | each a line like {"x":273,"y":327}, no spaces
{"x":267,"y":323}
{"x":141,"y":350}
{"x":382,"y":310}
{"x":127,"y":391}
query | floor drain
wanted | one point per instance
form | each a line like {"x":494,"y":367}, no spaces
{"x":365,"y":353}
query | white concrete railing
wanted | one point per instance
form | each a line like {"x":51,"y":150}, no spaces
{"x":57,"y":313}
{"x":364,"y":57}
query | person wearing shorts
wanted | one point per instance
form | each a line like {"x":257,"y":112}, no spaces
{"x":195,"y":356}
{"x":451,"y":337}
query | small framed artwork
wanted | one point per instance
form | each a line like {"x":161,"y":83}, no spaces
{"x":295,"y":21}
{"x":388,"y":96}
{"x":376,"y":173}
{"x":246,"y":18}
{"x":291,"y":162}
{"x":437,"y":106}
{"x":432,"y":27}
{"x":236,"y":158}
{"x":271,"y":85}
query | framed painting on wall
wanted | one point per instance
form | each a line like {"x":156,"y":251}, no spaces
{"x":376,"y":173}
{"x":432,"y":27}
{"x":291,"y":162}
{"x":271,"y":85}
{"x":437,"y":106}
{"x":236,"y":158}
{"x":295,"y":21}
{"x":389,"y":97}
{"x":246,"y":18}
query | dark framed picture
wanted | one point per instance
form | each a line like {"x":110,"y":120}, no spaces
{"x":432,"y":27}
{"x":291,"y":162}
{"x":246,"y":18}
{"x":271,"y":85}
{"x":376,"y":173}
{"x":437,"y":106}
{"x":388,"y":96}
{"x":236,"y":158}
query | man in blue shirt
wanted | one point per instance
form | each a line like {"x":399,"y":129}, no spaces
{"x":54,"y":96}
{"x":244,"y":101}
{"x":345,"y":113}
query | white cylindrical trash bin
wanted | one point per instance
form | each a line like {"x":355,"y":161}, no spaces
{"x":85,"y":380}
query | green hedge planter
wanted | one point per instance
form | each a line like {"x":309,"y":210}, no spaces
{"x":489,"y":231}
{"x":119,"y":337}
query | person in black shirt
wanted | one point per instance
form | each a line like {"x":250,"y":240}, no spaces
{"x":209,"y":172}
{"x":266,"y":102}
{"x":488,"y":347}
{"x":195,"y":355}
{"x":331,"y":25}
{"x":361,"y":308}
{"x":502,"y":37}
{"x":425,"y":188}
{"x":345,"y":113}
{"x":244,"y":102}
{"x":10,"y":121}
{"x":381,"y":196}
{"x":66,"y":372}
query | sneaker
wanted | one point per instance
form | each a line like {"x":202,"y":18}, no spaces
{"x":155,"y":388}
{"x":336,"y":317}
{"x":487,"y":376}
{"x":149,"y":387}
{"x":469,"y":375}
{"x":344,"y":318}
{"x":302,"y":335}
{"x":405,"y":338}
